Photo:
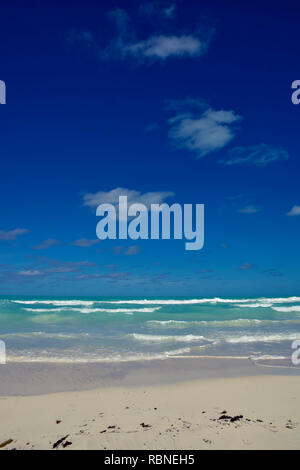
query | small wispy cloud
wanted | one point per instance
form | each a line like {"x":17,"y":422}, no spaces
{"x":132,"y":250}
{"x":295,"y":210}
{"x":203,"y":133}
{"x":169,"y":11}
{"x":273,"y":272}
{"x":250,"y":209}
{"x":47,"y":244}
{"x":85,"y":242}
{"x":117,"y":250}
{"x":162,"y":47}
{"x":158,"y":9}
{"x":156,"y":46}
{"x":45,"y":268}
{"x":125,"y":42}
{"x":259,"y":155}
{"x":152,"y":127}
{"x":80,"y":37}
{"x":122,"y":23}
{"x":69,"y":266}
{"x":30,"y":273}
{"x":246,"y":266}
{"x":12,"y":234}
{"x":110,"y":277}
{"x":185,"y":105}
{"x":114,"y":267}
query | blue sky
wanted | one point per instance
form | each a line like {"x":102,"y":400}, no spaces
{"x":189,"y":98}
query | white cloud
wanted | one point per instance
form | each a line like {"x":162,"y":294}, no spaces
{"x":257,"y":155}
{"x":295,"y":210}
{"x":12,"y":234}
{"x":203,"y":134}
{"x":162,"y":47}
{"x":112,"y":197}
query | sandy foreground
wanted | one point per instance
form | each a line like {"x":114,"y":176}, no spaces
{"x":184,"y":415}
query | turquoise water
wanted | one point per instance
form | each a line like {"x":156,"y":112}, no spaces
{"x":119,"y":329}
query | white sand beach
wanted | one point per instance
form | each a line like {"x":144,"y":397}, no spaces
{"x":179,"y":415}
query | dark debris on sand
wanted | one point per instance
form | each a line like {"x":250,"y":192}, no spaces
{"x":60,"y":441}
{"x":231,"y":419}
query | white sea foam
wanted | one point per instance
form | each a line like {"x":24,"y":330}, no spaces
{"x":266,"y":357}
{"x":259,"y":300}
{"x":279,"y":300}
{"x":48,"y":357}
{"x":254,"y":305}
{"x":264,"y":338}
{"x":239,"y":322}
{"x":295,"y":308}
{"x":171,"y":322}
{"x":55,"y":302}
{"x":45,"y":310}
{"x":175,"y":301}
{"x":42,"y":334}
{"x":164,"y":338}
{"x":93,"y":310}
{"x":262,"y":301}
{"x":119,"y":310}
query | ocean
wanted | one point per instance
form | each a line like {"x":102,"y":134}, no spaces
{"x":118,"y":329}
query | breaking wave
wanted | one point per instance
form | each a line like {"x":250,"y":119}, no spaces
{"x":295,"y":308}
{"x":164,"y":338}
{"x":93,"y":310}
{"x":264,"y":338}
{"x":79,"y":358}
